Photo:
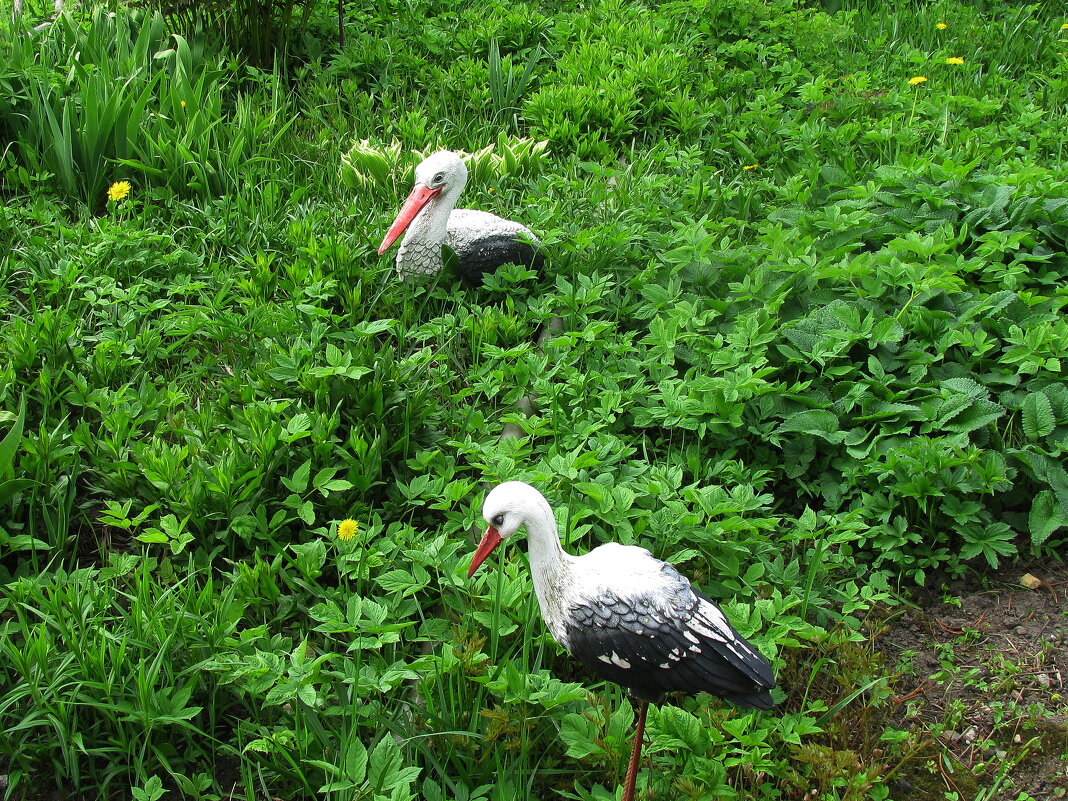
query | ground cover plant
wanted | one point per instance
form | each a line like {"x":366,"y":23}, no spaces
{"x":808,"y":264}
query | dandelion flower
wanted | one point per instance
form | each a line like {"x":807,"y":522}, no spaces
{"x":917,"y":80}
{"x":954,"y":60}
{"x":347,"y":529}
{"x":1064,"y":26}
{"x":750,"y":166}
{"x":118,"y":190}
{"x":941,"y":26}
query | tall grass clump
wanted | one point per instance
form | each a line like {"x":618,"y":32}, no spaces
{"x":120,"y":97}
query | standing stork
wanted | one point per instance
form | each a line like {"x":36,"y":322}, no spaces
{"x":627,"y":616}
{"x":481,"y":241}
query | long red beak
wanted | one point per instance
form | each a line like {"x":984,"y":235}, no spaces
{"x":420,"y":196}
{"x":490,"y":540}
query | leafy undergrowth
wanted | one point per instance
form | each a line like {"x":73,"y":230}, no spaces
{"x":812,"y":349}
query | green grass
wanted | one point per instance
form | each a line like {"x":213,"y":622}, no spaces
{"x":813,"y":351}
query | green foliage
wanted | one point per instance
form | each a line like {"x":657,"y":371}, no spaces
{"x":812,"y":350}
{"x":261,"y":30}
{"x":120,"y":98}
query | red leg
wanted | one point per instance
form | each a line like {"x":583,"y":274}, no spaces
{"x":635,"y":753}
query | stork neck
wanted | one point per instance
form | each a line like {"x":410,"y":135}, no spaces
{"x":420,"y":250}
{"x":549,"y":563}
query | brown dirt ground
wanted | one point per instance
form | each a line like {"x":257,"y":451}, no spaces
{"x":983,"y":663}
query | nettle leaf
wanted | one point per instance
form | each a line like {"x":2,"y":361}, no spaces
{"x":888,"y":329}
{"x":1048,"y":513}
{"x":817,"y":422}
{"x":1058,"y":398}
{"x":683,"y":728}
{"x":797,"y":454}
{"x":1037,"y":416}
{"x":981,"y":413}
{"x":884,"y":410}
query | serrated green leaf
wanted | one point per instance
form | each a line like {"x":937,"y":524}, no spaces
{"x":386,"y":772}
{"x":1047,"y":515}
{"x":355,"y":758}
{"x":1037,"y":416}
{"x":818,"y":422}
{"x":401,"y":582}
{"x":981,"y":413}
{"x":684,"y":727}
{"x":580,"y":735}
{"x":298,"y":483}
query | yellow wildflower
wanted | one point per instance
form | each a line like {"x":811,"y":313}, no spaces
{"x":941,"y":26}
{"x":954,"y":60}
{"x":917,"y":80}
{"x":750,"y":166}
{"x":183,"y":103}
{"x":347,"y":529}
{"x":118,"y":190}
{"x":1064,"y":26}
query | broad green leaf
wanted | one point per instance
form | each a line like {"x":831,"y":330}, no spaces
{"x":8,"y":489}
{"x":12,"y":439}
{"x":386,"y":772}
{"x":818,"y":422}
{"x":580,"y":735}
{"x":1047,"y":515}
{"x":1037,"y":416}
{"x":299,"y":481}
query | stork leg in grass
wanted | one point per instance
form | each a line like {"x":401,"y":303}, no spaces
{"x":627,"y":616}
{"x":481,"y":241}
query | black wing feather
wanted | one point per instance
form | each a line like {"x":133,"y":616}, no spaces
{"x":652,"y":645}
{"x":487,"y":253}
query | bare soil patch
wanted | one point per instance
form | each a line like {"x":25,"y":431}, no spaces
{"x":983,"y":665}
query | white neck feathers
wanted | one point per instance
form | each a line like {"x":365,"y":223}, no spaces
{"x":550,"y":565}
{"x":420,"y":250}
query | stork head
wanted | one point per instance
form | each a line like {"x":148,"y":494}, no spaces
{"x":507,"y":508}
{"x":441,"y":172}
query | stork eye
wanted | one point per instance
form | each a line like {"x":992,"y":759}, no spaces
{"x":439,"y":178}
{"x":498,"y":520}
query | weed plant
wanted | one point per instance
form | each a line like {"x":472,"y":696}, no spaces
{"x":813,"y":350}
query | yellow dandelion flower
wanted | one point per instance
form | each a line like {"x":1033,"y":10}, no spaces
{"x":751,"y":166}
{"x":917,"y":80}
{"x":954,"y":60}
{"x":118,"y":190}
{"x":941,"y":26}
{"x":1064,"y":26}
{"x":347,"y":529}
{"x":491,"y":189}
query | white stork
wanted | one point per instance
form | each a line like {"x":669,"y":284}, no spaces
{"x":627,"y":616}
{"x":481,"y":241}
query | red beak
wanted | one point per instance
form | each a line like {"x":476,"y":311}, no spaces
{"x":420,"y":196}
{"x":490,"y":540}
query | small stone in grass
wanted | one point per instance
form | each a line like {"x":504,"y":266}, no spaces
{"x":1029,"y":581}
